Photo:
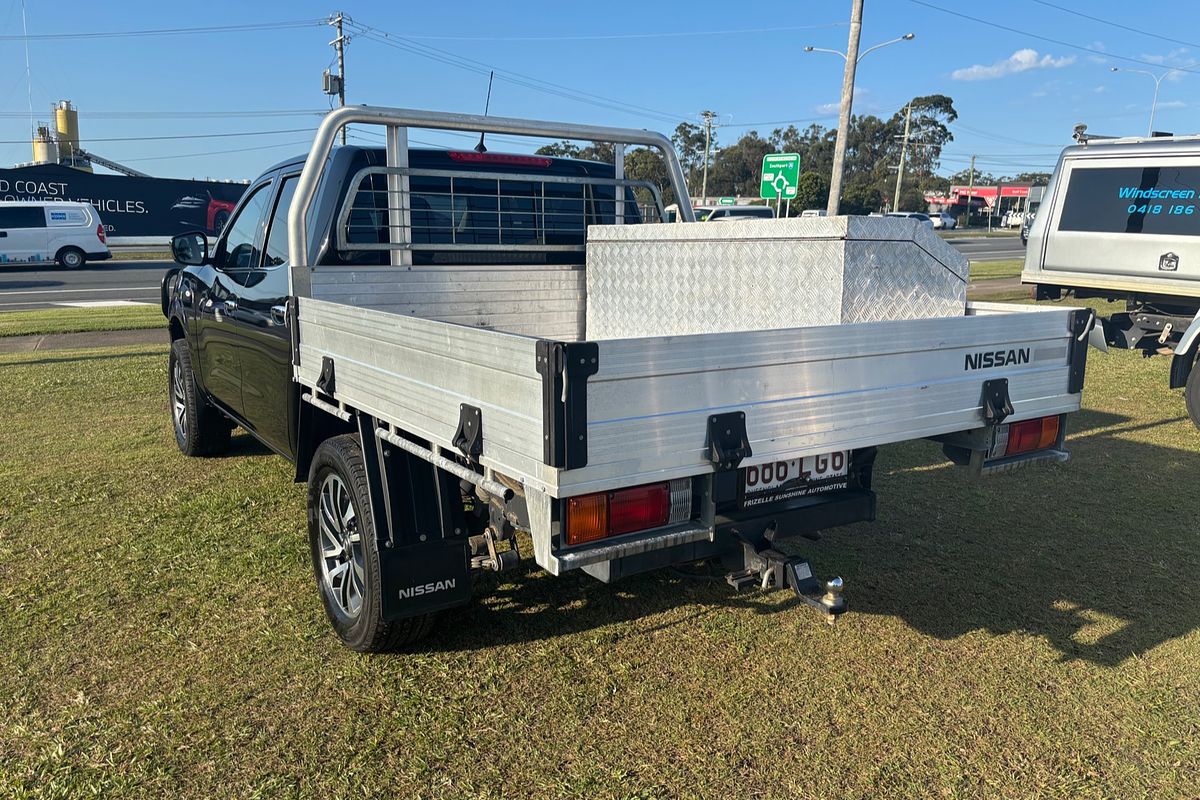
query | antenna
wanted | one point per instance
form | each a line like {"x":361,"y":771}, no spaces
{"x":480,"y":148}
{"x":28,"y":73}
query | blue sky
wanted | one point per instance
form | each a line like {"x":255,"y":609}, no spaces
{"x":640,"y":65}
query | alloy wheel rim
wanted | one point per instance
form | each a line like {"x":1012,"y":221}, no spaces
{"x":341,"y":546}
{"x":178,"y":406}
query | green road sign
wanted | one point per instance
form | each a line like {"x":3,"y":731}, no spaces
{"x":727,"y":201}
{"x":780,"y":175}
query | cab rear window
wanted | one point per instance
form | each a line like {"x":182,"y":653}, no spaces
{"x":1155,"y":200}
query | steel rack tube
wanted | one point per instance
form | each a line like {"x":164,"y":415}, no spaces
{"x":336,"y":120}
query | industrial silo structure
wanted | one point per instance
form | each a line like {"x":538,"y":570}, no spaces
{"x":45,"y":146}
{"x":66,"y":122}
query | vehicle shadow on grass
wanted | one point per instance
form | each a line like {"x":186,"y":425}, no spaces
{"x":1096,"y":557}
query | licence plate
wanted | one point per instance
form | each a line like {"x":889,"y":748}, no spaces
{"x":799,"y":477}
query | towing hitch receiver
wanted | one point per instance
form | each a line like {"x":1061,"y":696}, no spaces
{"x":766,"y":567}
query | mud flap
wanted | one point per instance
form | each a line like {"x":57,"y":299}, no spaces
{"x":424,"y":558}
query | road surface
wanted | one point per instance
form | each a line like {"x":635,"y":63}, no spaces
{"x":100,"y":284}
{"x":122,"y":282}
{"x":988,"y":248}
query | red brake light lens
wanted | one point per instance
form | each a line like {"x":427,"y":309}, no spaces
{"x":595,"y":516}
{"x":468,"y":157}
{"x":638,"y":508}
{"x":100,"y":234}
{"x":1031,"y":435}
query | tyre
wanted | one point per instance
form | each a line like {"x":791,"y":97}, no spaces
{"x":345,"y":552}
{"x":219,"y":222}
{"x":1191,"y":393}
{"x":71,"y":257}
{"x":200,"y":430}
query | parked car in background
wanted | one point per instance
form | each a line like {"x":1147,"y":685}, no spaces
{"x":943,"y":220}
{"x":727,"y":213}
{"x":924,"y":218}
{"x":813,"y":212}
{"x":43,"y":231}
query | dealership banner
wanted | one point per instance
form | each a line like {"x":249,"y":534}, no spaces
{"x":129,"y":207}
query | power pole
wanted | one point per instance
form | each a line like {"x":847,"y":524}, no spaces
{"x":339,"y":45}
{"x":903,"y":150}
{"x":709,"y":116}
{"x":839,"y":148}
{"x":970,"y":191}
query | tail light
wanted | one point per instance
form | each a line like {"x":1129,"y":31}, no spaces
{"x":1026,"y":437}
{"x":468,"y":157}
{"x":596,"y":516}
{"x":100,"y":234}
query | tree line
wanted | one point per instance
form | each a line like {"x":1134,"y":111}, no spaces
{"x":872,"y":155}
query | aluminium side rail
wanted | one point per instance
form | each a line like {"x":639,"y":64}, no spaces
{"x":397,"y":121}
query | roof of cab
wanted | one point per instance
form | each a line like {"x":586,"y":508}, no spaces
{"x":432,"y":153}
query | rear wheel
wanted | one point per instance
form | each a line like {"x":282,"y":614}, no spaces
{"x":1191,"y":393}
{"x":200,"y":429}
{"x":345,"y":552}
{"x":71,"y":257}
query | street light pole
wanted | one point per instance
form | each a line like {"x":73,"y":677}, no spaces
{"x":851,"y":57}
{"x":1157,"y":82}
{"x":839,"y":147}
{"x":903,"y":150}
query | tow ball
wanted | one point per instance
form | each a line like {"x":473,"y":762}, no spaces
{"x":766,"y":567}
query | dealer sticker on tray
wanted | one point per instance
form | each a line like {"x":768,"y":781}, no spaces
{"x":800,"y":477}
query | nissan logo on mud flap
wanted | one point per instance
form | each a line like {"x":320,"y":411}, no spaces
{"x":1168,"y":262}
{"x":423,"y":589}
{"x":997,"y":358}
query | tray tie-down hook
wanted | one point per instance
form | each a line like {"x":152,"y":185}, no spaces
{"x":766,"y":567}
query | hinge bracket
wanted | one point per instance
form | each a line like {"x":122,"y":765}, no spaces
{"x":996,"y":404}
{"x":727,"y":443}
{"x":468,"y":438}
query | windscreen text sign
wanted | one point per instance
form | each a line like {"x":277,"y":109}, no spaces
{"x":1156,"y":200}
{"x":780,"y":176}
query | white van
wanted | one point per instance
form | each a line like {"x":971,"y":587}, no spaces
{"x":33,"y":232}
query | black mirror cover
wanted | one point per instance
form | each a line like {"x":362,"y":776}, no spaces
{"x":190,"y":249}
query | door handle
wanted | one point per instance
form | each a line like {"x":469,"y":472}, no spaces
{"x":279,"y":315}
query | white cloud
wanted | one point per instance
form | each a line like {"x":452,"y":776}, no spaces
{"x":862,"y":103}
{"x":1100,"y":89}
{"x":1020,"y":61}
{"x":1179,"y":59}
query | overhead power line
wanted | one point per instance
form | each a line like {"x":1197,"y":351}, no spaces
{"x":300,"y":143}
{"x":516,"y":78}
{"x":249,"y":27}
{"x":603,"y":37}
{"x":1060,"y":42}
{"x":315,"y":112}
{"x":181,"y":136}
{"x":1110,"y":23}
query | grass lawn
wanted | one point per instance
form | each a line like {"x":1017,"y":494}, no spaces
{"x":1035,"y":634}
{"x":991,"y":270}
{"x":80,"y":320}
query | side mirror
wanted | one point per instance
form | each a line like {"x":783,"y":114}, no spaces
{"x":190,"y":249}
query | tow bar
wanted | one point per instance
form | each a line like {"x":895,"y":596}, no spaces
{"x":766,"y":567}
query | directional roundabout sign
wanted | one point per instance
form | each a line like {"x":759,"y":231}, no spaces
{"x":780,"y":176}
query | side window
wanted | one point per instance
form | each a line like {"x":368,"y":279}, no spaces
{"x":239,"y":252}
{"x":277,"y":234}
{"x":22,"y":217}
